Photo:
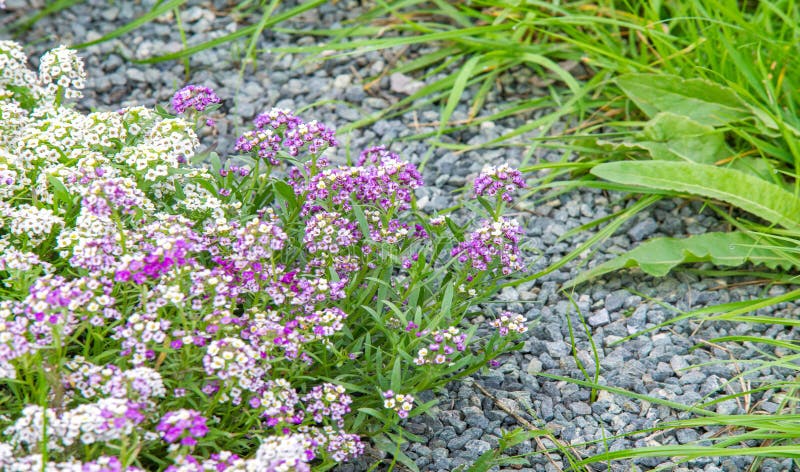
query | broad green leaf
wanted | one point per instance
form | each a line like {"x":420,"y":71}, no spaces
{"x":703,"y":101}
{"x":672,"y":137}
{"x":60,"y":191}
{"x":658,"y":256}
{"x":751,"y":194}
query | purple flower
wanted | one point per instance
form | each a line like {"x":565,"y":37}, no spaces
{"x":499,"y":181}
{"x":182,"y":425}
{"x":279,"y":130}
{"x":493,"y":246}
{"x":193,"y":97}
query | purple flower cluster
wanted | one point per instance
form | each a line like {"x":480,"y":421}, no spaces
{"x":376,"y":155}
{"x":279,"y":130}
{"x":441,"y":345}
{"x":114,"y":194}
{"x":510,"y":323}
{"x":184,"y":426}
{"x":329,"y":233}
{"x":500,"y":181}
{"x":327,"y":401}
{"x":153,"y":265}
{"x":193,"y":97}
{"x":389,"y":185}
{"x":340,"y":446}
{"x":493,"y":246}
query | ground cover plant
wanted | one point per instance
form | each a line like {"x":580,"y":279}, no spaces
{"x":269,"y":311}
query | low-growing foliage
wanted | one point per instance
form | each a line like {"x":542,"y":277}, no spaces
{"x":268,"y":312}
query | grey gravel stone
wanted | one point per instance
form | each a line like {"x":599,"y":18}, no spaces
{"x":599,"y":319}
{"x":404,"y":84}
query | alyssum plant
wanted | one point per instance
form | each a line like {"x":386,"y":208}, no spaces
{"x":158,"y":314}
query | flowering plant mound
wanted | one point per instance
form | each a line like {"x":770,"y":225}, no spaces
{"x":162,"y":310}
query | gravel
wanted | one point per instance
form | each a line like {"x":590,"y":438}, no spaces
{"x":661,"y":364}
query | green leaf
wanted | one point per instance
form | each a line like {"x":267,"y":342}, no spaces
{"x":458,"y":89}
{"x":751,"y":194}
{"x":678,"y":138}
{"x":287,"y":194}
{"x":703,"y":101}
{"x":658,"y":256}
{"x":60,"y":191}
{"x":484,"y":462}
{"x":397,"y":376}
{"x":391,"y":443}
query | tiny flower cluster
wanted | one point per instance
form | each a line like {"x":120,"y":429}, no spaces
{"x":501,"y":181}
{"x":510,"y":323}
{"x":106,"y":420}
{"x":442,"y":345}
{"x":182,"y":426}
{"x":402,"y":404}
{"x":493,"y":246}
{"x":92,"y":381}
{"x":193,"y":97}
{"x":279,"y":130}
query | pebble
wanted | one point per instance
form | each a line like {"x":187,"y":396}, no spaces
{"x":599,"y":319}
{"x":404,"y":84}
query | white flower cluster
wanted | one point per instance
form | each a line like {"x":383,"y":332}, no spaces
{"x":106,"y":420}
{"x":9,"y":463}
{"x":165,"y":144}
{"x":12,"y":258}
{"x":61,"y":67}
{"x":52,"y":156}
{"x":12,"y":117}
{"x":28,"y":221}
{"x":14,"y":67}
{"x":92,"y":381}
{"x":280,"y":454}
{"x":276,"y":454}
{"x":230,"y":359}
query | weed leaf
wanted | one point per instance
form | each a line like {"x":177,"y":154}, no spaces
{"x":703,"y":101}
{"x":751,"y":194}
{"x":660,"y":255}
{"x":678,"y":138}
